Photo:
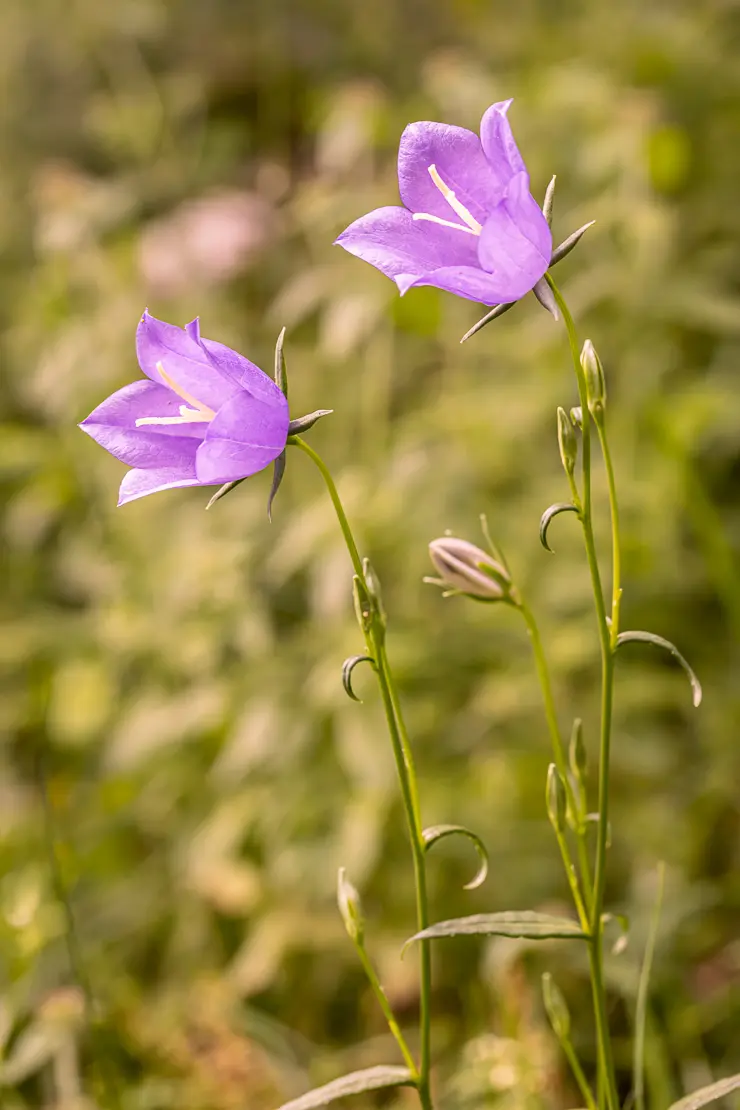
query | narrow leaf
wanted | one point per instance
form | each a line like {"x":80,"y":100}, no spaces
{"x":568,"y":244}
{"x":281,"y":377}
{"x":659,"y":641}
{"x":494,"y":314}
{"x":348,"y":667}
{"x":223,"y":491}
{"x":708,"y":1094}
{"x":278,"y":470}
{"x":641,"y":1007}
{"x":549,"y":515}
{"x":438,"y":832}
{"x":524,"y":923}
{"x":369,"y":1079}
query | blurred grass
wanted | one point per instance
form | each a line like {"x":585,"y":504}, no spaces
{"x":179,"y":671}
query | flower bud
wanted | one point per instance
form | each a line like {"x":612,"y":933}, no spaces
{"x":595,"y":383}
{"x":350,"y":907}
{"x":468,"y":569}
{"x":576,"y":415}
{"x":555,"y":1007}
{"x":567,"y":441}
{"x":557,"y":802}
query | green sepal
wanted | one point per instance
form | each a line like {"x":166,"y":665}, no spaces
{"x":223,"y":491}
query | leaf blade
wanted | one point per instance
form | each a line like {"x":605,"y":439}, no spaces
{"x":708,"y":1094}
{"x":355,"y":1083}
{"x":660,"y":641}
{"x":510,"y":923}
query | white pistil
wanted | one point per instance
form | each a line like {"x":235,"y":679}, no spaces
{"x":194,"y":412}
{"x":472,"y":227}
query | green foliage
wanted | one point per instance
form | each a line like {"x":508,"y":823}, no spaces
{"x":177,"y":674}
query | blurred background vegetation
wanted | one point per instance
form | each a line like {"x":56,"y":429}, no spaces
{"x":174,"y":676}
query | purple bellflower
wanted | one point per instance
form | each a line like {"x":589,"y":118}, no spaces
{"x":204,"y":415}
{"x":469,"y":223}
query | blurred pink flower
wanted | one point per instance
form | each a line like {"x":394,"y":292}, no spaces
{"x":205,"y":241}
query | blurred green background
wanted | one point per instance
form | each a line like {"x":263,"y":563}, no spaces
{"x":175,"y":676}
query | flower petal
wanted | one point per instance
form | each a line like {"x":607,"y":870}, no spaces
{"x":460,"y":162}
{"x":238,"y":369}
{"x":403,"y":248}
{"x":465,"y":281}
{"x":245,"y":436}
{"x":139,"y":483}
{"x":183,"y":358}
{"x":139,"y":400}
{"x":498,"y":142}
{"x":140,"y":446}
{"x":515,"y":244}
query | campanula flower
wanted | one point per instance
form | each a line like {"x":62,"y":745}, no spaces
{"x":204,"y":415}
{"x":468,"y":224}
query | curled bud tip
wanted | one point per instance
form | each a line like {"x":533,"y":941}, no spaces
{"x":467,"y":569}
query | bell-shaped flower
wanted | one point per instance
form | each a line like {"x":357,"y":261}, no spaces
{"x":204,"y":415}
{"x":469,"y":223}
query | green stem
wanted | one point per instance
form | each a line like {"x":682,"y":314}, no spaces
{"x":574,"y":804}
{"x":614,"y":510}
{"x":406,"y":776}
{"x":577,"y":1070}
{"x":596,"y":948}
{"x":103,"y":1072}
{"x":385,"y":1006}
{"x":641,"y":1009}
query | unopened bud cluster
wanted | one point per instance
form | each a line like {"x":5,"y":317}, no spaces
{"x":466,"y":569}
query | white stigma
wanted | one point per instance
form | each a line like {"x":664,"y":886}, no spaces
{"x":194,"y":412}
{"x":469,"y":225}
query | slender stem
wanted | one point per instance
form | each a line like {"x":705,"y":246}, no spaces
{"x":614,"y":510}
{"x":385,"y":1006}
{"x":574,"y":803}
{"x":422,"y":899}
{"x":108,"y":1087}
{"x":577,"y":1070}
{"x":349,"y":539}
{"x":641,"y":1009}
{"x":406,"y":777}
{"x":596,"y":954}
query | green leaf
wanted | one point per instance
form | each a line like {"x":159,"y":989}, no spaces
{"x":659,"y":641}
{"x":438,"y":832}
{"x":708,"y":1094}
{"x":510,"y":923}
{"x":369,"y":1079}
{"x":549,"y":515}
